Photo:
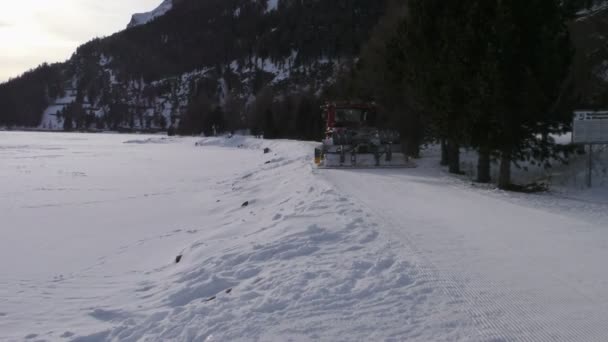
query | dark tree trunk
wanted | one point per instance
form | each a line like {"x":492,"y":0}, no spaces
{"x":416,"y":135}
{"x":454,"y":157}
{"x":411,"y":135}
{"x":444,"y":152}
{"x":483,"y":166}
{"x":545,"y":137}
{"x":504,"y":178}
{"x":545,"y":145}
{"x":412,"y":148}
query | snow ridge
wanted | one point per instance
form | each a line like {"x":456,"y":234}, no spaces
{"x":317,"y":275}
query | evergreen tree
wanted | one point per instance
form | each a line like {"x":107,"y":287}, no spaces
{"x":532,"y":54}
{"x":488,"y":74}
{"x":431,"y":53}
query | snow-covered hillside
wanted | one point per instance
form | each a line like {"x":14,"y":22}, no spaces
{"x":597,"y":7}
{"x":149,"y":238}
{"x":143,"y":18}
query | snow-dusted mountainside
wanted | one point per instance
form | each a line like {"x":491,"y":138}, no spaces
{"x":234,"y":85}
{"x":596,"y":7}
{"x":143,"y":18}
{"x":105,"y":242}
{"x":201,"y":56}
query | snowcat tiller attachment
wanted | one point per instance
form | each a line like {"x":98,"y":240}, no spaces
{"x":336,"y":157}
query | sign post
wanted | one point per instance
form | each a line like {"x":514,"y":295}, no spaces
{"x":590,"y":175}
{"x":590,"y":128}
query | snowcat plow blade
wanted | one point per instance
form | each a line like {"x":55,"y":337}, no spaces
{"x":352,"y":160}
{"x":364,"y":161}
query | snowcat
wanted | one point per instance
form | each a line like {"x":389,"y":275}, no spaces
{"x":352,"y":139}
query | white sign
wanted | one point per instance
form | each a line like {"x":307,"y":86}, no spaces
{"x":590,"y":127}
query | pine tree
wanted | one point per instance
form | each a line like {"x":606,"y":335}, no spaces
{"x":489,"y":74}
{"x":532,"y":53}
{"x":432,"y":54}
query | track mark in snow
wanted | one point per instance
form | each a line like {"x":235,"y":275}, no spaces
{"x":204,"y":287}
{"x":145,"y":288}
{"x":109,"y":315}
{"x":455,"y":286}
{"x":67,"y":334}
{"x":98,"y":337}
{"x":518,"y":307}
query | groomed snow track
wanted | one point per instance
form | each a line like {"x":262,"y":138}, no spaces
{"x":522,"y":274}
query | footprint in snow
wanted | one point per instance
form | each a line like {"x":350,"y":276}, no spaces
{"x":369,"y":238}
{"x":67,"y":334}
{"x":145,"y":288}
{"x":108,"y":315}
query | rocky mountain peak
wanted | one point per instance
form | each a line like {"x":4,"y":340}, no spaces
{"x":143,"y":18}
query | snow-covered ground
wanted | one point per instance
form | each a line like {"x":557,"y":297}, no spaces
{"x":271,"y":249}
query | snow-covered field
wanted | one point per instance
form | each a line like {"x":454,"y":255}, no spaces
{"x":271,"y":249}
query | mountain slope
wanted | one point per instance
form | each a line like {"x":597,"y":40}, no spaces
{"x":202,"y":54}
{"x":229,"y":64}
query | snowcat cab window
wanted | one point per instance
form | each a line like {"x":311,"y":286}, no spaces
{"x":349,"y":117}
{"x":369,"y":118}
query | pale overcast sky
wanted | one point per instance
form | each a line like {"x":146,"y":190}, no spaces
{"x":36,"y":31}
